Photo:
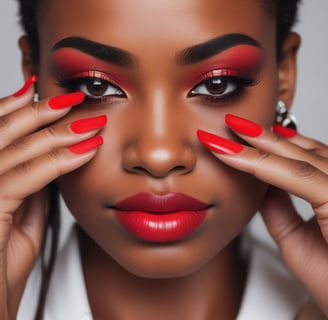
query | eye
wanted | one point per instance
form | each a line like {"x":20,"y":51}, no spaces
{"x":219,"y":86}
{"x":96,"y":85}
{"x":215,"y":86}
{"x":95,"y":88}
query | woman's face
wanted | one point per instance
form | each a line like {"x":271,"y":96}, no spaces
{"x":154,"y":198}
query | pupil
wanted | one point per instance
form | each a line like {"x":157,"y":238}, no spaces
{"x":216,"y":86}
{"x":97,"y":87}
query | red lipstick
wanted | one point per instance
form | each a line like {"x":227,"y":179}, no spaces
{"x":161,"y":218}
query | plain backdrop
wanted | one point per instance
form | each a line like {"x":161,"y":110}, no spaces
{"x":310,"y":106}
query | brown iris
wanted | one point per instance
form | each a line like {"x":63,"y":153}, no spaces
{"x":216,"y":85}
{"x":97,"y":87}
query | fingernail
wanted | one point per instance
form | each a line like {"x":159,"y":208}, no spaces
{"x":219,"y":144}
{"x":66,"y":100}
{"x":86,"y":145}
{"x":26,"y":86}
{"x":283,"y":131}
{"x":243,"y":126}
{"x":89,"y":124}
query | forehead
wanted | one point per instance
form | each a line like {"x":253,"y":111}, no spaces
{"x":133,"y":24}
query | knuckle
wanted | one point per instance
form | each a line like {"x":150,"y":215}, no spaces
{"x":55,"y":159}
{"x":50,"y":134}
{"x":4,"y":123}
{"x":315,"y":153}
{"x":35,"y":110}
{"x":35,"y":106}
{"x":6,"y":219}
{"x":303,"y":169}
{"x":54,"y":156}
{"x":22,"y":168}
{"x":263,"y":155}
{"x":277,"y":139}
{"x":18,"y":145}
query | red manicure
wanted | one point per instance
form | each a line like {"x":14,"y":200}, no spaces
{"x":243,"y":126}
{"x":66,"y":100}
{"x":86,"y":145}
{"x":283,"y":131}
{"x":26,"y":86}
{"x":89,"y":124}
{"x":219,"y":144}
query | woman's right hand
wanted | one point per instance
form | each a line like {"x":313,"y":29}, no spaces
{"x":34,"y":150}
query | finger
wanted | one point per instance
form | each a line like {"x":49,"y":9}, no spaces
{"x":31,"y":218}
{"x":25,"y":240}
{"x":32,"y":176}
{"x":301,"y":244}
{"x":19,"y":99}
{"x":35,"y":115}
{"x":295,"y":176}
{"x":267,"y":141}
{"x":314,"y":147}
{"x":280,"y":216}
{"x":30,"y":223}
{"x":53,"y":137}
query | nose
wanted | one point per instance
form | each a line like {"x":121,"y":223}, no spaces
{"x":162,"y":143}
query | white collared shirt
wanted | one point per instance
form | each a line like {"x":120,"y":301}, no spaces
{"x":271,"y":293}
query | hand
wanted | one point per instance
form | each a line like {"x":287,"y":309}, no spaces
{"x":34,"y":150}
{"x":299,"y":166}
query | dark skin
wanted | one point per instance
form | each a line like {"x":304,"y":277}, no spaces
{"x":159,"y":153}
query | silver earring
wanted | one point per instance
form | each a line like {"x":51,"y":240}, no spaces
{"x":283,"y":117}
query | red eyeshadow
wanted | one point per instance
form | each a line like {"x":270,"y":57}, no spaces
{"x":244,"y":60}
{"x":68,"y":62}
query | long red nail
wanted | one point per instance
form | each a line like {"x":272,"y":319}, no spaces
{"x":219,"y":144}
{"x":87,"y":145}
{"x":89,"y":124}
{"x":243,"y":126}
{"x":283,"y":131}
{"x":26,"y":86}
{"x":66,"y":100}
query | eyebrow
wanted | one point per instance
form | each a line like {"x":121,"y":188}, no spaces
{"x":101,"y":51}
{"x":187,"y":56}
{"x":212,"y":47}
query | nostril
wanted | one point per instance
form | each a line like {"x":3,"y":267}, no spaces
{"x":179,"y":169}
{"x":139,"y":169}
{"x":158,"y":172}
{"x":158,"y":162}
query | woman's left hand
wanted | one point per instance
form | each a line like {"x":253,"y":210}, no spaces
{"x":299,"y":166}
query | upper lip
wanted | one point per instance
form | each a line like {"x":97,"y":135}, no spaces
{"x":170,"y":202}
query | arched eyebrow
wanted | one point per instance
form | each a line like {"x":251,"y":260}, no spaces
{"x":212,"y":47}
{"x":101,"y":51}
{"x":187,"y":56}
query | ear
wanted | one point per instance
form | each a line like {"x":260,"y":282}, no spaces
{"x":28,"y":67}
{"x":287,"y":68}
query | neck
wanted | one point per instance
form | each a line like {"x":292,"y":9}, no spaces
{"x":114,"y":293}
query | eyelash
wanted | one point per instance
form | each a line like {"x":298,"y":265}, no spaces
{"x":227,"y":78}
{"x":81,"y":82}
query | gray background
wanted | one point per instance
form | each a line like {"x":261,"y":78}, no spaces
{"x":310,"y":105}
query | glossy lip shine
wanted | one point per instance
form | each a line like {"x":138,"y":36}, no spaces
{"x":161,"y":218}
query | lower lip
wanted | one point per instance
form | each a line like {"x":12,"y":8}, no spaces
{"x":167,"y":227}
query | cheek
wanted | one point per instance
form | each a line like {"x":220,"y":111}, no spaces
{"x":239,"y":195}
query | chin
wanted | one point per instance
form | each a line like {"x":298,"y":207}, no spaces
{"x":162,"y":267}
{"x":170,"y":260}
